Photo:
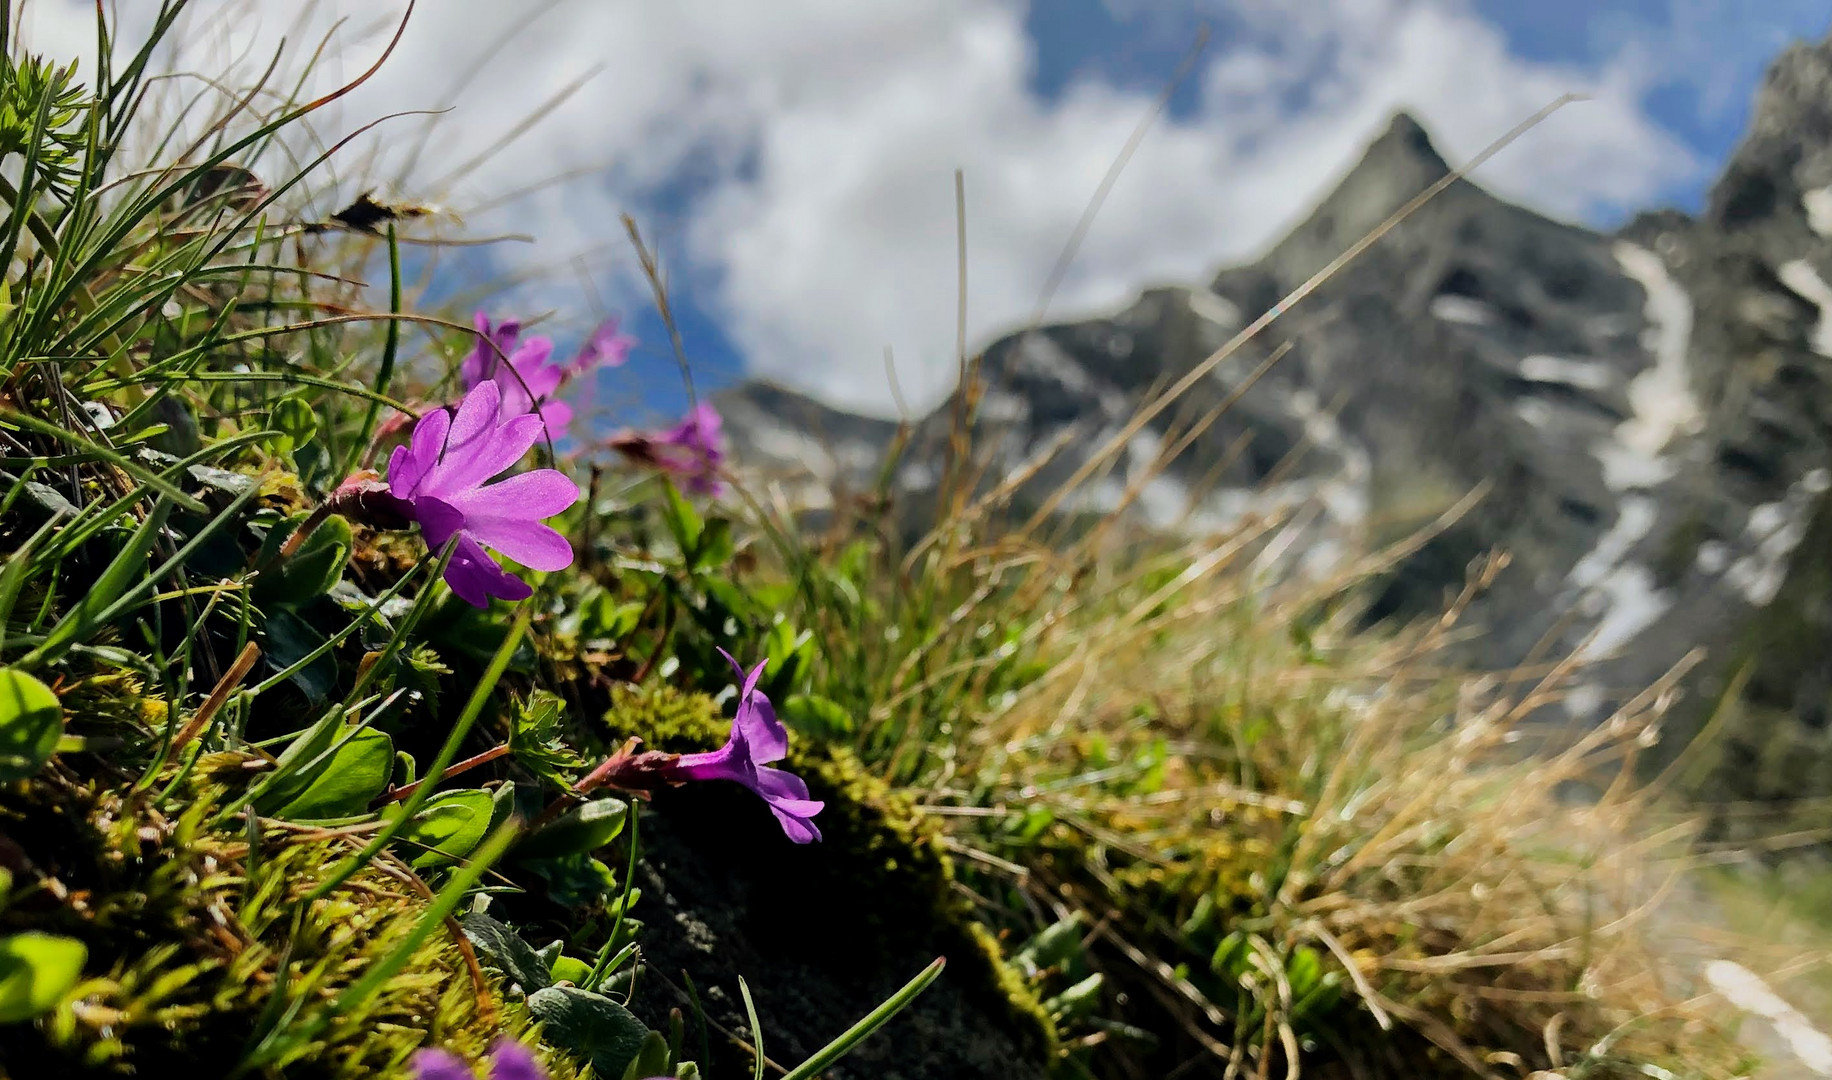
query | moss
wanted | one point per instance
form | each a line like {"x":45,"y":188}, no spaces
{"x":879,"y":879}
{"x":197,"y":941}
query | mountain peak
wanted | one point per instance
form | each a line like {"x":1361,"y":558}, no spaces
{"x":1406,"y":135}
{"x":1401,"y":157}
{"x":1398,"y":164}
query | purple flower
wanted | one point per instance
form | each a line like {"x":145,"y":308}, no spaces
{"x":605,"y":347}
{"x":757,"y":739}
{"x":509,"y":1061}
{"x":438,"y":480}
{"x":527,"y":381}
{"x":530,"y":379}
{"x":693,"y":450}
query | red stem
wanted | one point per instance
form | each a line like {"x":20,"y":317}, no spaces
{"x":401,"y":793}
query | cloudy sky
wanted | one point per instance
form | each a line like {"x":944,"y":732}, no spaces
{"x":793,"y":160}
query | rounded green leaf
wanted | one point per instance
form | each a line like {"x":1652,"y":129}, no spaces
{"x":296,"y":422}
{"x":585,"y":830}
{"x":346,"y":783}
{"x":447,"y":828}
{"x":31,"y":722}
{"x":36,"y":971}
{"x":570,"y":969}
{"x":590,"y":1025}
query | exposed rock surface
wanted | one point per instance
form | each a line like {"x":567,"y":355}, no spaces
{"x":1653,"y":411}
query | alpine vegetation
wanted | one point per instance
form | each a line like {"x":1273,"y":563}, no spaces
{"x":367,"y":711}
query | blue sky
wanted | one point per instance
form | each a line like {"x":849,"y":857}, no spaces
{"x":1078,"y":40}
{"x":793,"y":161}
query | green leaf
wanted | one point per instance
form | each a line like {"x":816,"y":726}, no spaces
{"x":715,"y":547}
{"x":226,"y":481}
{"x":447,"y":827}
{"x":817,"y":717}
{"x":590,"y":1025}
{"x":862,"y":1030}
{"x":36,"y":971}
{"x":534,"y":738}
{"x":651,"y":1060}
{"x":309,"y":572}
{"x":1321,"y":999}
{"x":1303,"y":970}
{"x":570,"y":969}
{"x":1231,"y":956}
{"x":31,"y":722}
{"x":502,"y":804}
{"x":790,"y":653}
{"x":515,"y":958}
{"x":113,"y":582}
{"x":575,"y":881}
{"x":1077,"y":1001}
{"x":345,"y":783}
{"x":683,"y":520}
{"x":296,"y":422}
{"x":291,"y":639}
{"x":581,"y":832}
{"x":1199,"y":918}
{"x":1053,"y":945}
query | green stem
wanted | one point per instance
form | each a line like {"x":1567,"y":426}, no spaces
{"x":873,"y":1020}
{"x":391,"y":345}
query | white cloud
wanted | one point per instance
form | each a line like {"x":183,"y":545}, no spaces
{"x":821,"y":136}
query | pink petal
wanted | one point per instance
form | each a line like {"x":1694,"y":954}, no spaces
{"x":506,"y":516}
{"x":440,"y":1065}
{"x":513,"y":1061}
{"x":504,"y":447}
{"x":605,"y":346}
{"x":438,"y":520}
{"x":492,"y":346}
{"x":725,"y":763}
{"x":530,"y":362}
{"x":404,"y":471}
{"x":515,"y":400}
{"x":530,"y":543}
{"x":784,"y":788}
{"x":798,"y":830}
{"x":475,"y":577}
{"x":557,"y":415}
{"x":529,"y":496}
{"x":475,"y":423}
{"x":788,"y":799}
{"x":756,"y":717}
{"x":426,"y":443}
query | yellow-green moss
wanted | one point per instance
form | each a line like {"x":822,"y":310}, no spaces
{"x":190,"y":938}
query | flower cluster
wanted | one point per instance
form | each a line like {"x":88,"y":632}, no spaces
{"x":439,"y":479}
{"x":444,"y":479}
{"x":693,"y":450}
{"x":525,"y":373}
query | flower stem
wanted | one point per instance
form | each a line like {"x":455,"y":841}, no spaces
{"x":405,"y":791}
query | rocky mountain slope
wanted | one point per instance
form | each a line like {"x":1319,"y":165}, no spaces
{"x":1653,"y":410}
